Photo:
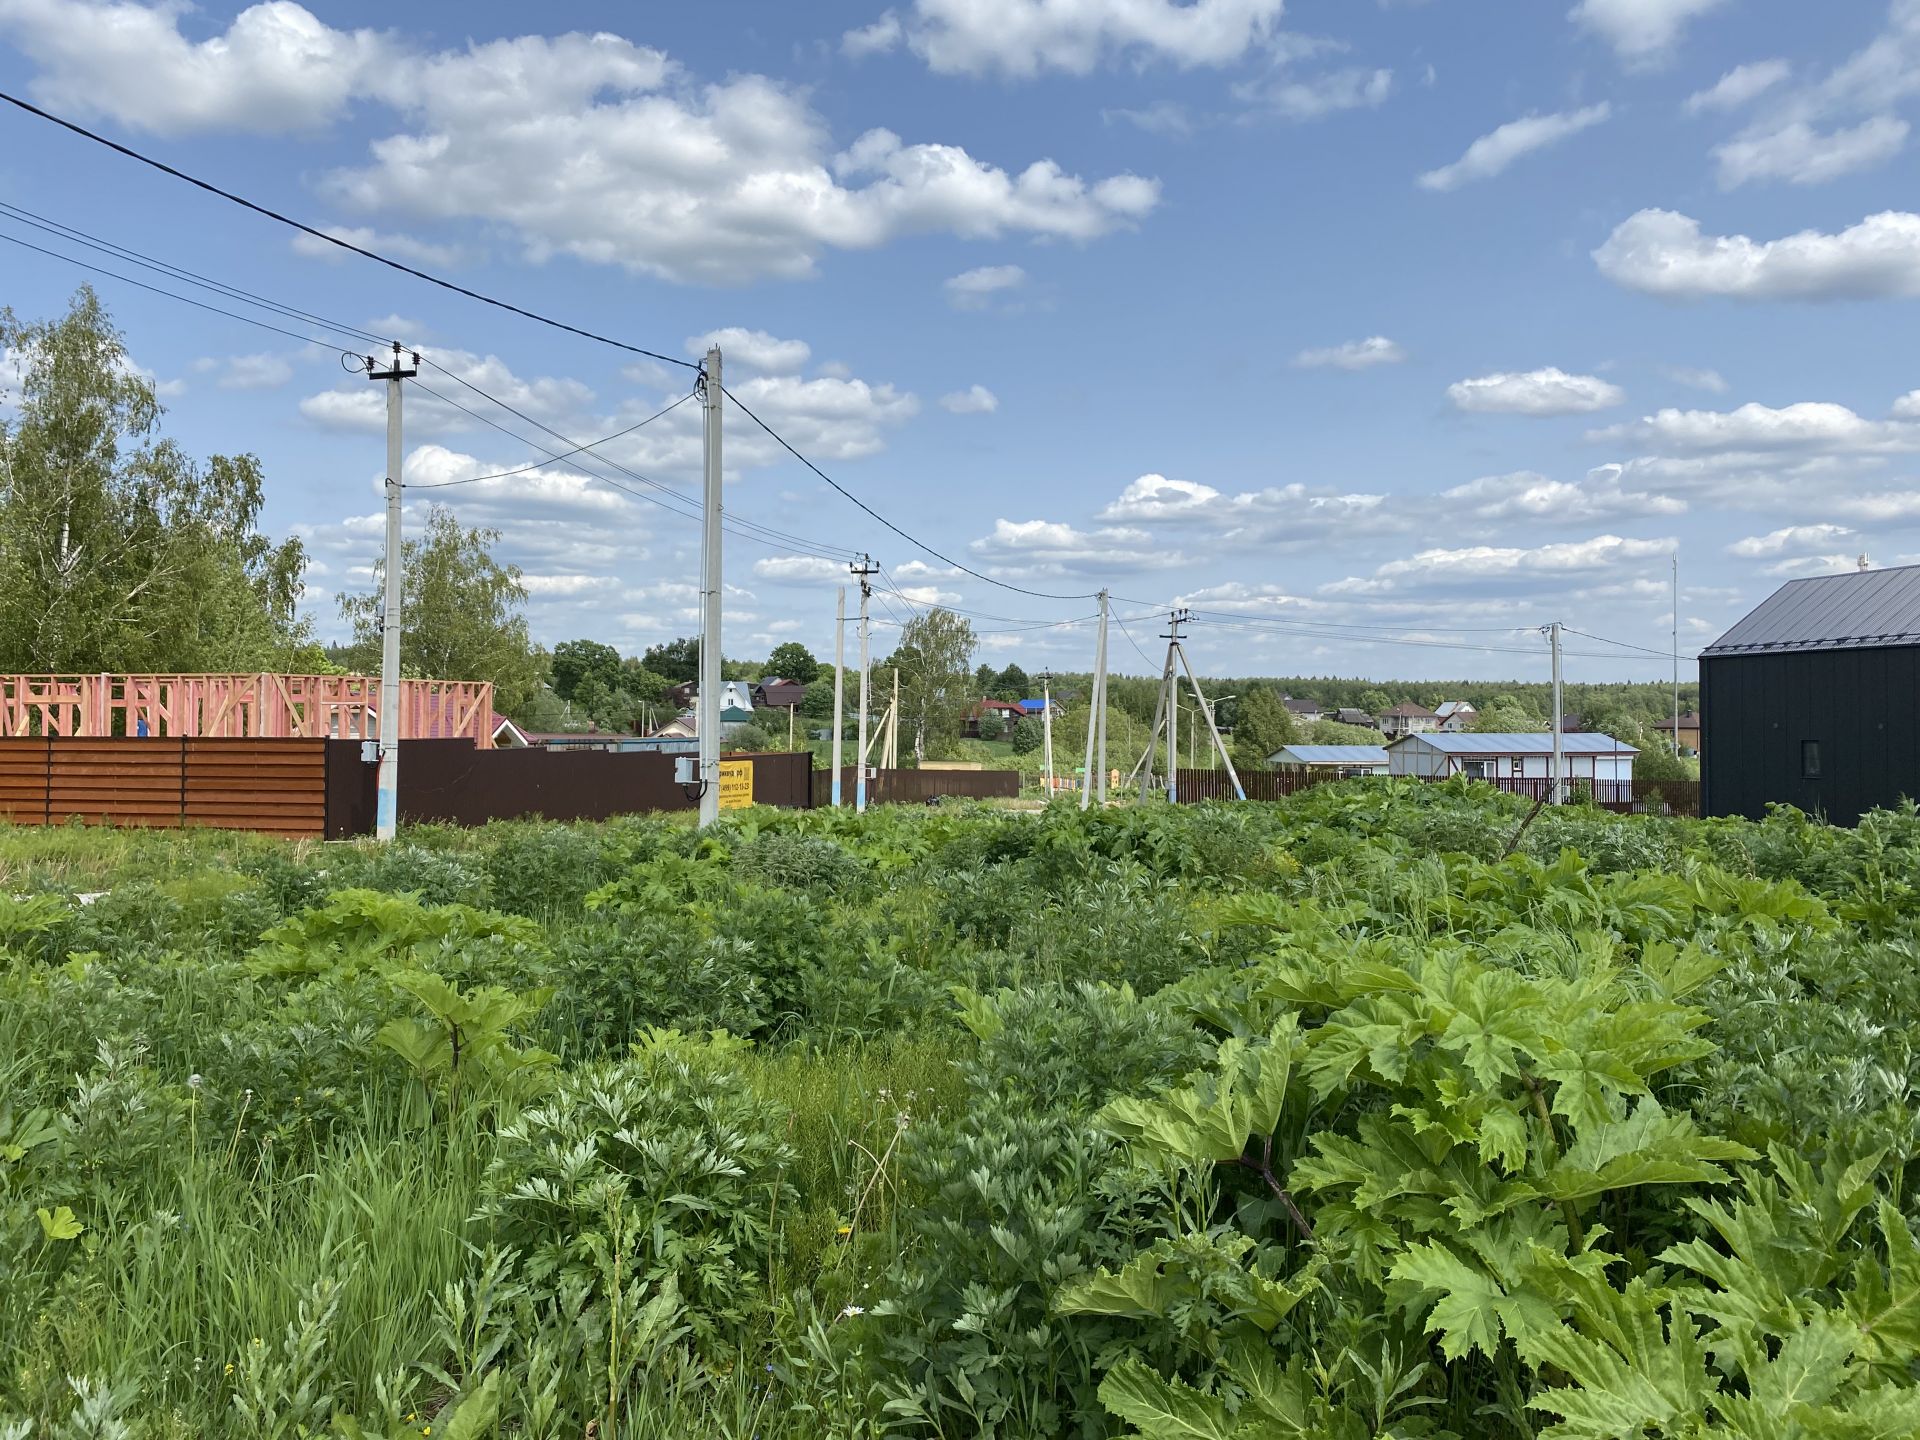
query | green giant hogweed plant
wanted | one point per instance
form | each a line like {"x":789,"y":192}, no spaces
{"x":1447,"y":1143}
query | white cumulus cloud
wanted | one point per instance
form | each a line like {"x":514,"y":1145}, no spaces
{"x":1353,"y":355}
{"x":1526,"y":495}
{"x":400,"y":247}
{"x":974,"y":400}
{"x":1801,"y":155}
{"x":1641,"y":32}
{"x":1550,"y":391}
{"x":1807,"y":425}
{"x":975,"y":289}
{"x":1052,"y":547}
{"x":1477,"y":564}
{"x":1022,"y":38}
{"x":276,"y":68}
{"x":753,"y":349}
{"x":1793,"y":537}
{"x":1495,"y":151}
{"x":1662,"y":252}
{"x":1697,"y":379}
{"x":583,"y":145}
{"x":1739,"y":86}
{"x":1314,"y":96}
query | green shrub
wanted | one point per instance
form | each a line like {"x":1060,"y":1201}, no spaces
{"x":663,"y":1167}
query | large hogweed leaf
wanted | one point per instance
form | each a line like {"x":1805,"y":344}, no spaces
{"x":1217,"y":1112}
{"x":1206,"y":1286}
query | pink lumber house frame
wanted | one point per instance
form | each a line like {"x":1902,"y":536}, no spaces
{"x":263,"y":706}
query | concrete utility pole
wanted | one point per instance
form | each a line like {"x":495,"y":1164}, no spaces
{"x":865,"y":568}
{"x":1676,"y":652}
{"x":1046,"y":729}
{"x":1166,"y":708}
{"x":707,"y":717}
{"x":1096,"y":708}
{"x":839,"y":686}
{"x":387,"y":805}
{"x":1554,"y":785}
{"x":1173,"y":713}
{"x":890,"y":756}
{"x":1102,"y":685}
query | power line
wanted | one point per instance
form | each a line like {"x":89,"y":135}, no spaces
{"x":322,"y":235}
{"x":161,"y":290}
{"x":1146,"y":658}
{"x":876,"y":515}
{"x":1626,"y":644}
{"x":542,"y":464}
{"x":177,"y":272}
{"x":694,"y":507}
{"x":742,"y":529}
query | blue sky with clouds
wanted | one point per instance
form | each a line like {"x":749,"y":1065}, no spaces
{"x":1373,"y":332}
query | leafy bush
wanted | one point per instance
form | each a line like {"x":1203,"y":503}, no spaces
{"x":661,"y":1168}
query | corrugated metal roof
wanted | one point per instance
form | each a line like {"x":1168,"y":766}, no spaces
{"x":1831,"y":612}
{"x":1497,"y":743}
{"x":1332,"y":754}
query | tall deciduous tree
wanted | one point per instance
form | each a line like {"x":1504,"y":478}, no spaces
{"x":1012,"y":684}
{"x":678,"y":660}
{"x":117,"y":550}
{"x":1262,"y":726}
{"x":936,"y":649}
{"x":462,"y":612}
{"x":577,"y":661}
{"x":793,"y":661}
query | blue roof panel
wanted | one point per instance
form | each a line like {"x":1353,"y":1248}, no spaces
{"x":1497,"y":743}
{"x":1335,"y":754}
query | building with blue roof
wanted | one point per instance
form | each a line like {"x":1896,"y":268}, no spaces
{"x":1519,"y":761}
{"x":1323,"y":761}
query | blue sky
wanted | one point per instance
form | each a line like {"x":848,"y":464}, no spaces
{"x":1373,"y":332}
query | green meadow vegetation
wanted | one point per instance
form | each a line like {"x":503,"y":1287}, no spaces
{"x":1388,"y":1111}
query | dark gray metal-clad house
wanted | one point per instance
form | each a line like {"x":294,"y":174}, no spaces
{"x":1813,"y":700}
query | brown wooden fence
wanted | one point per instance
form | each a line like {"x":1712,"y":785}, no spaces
{"x":275,"y":786}
{"x":1197,"y":785}
{"x":916,"y":787}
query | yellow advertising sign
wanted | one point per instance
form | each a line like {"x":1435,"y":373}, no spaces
{"x":736,"y":784}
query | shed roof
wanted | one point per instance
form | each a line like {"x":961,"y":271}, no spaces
{"x":1852,"y":611}
{"x":1517,"y":743}
{"x":1330,"y":755}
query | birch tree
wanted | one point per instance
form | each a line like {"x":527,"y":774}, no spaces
{"x":118,"y":551}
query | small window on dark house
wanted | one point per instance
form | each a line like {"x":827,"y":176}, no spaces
{"x":1810,"y":759}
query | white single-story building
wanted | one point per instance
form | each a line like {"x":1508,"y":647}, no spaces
{"x":1511,"y":760}
{"x":1324,"y":760}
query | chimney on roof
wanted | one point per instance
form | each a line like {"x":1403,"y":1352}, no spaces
{"x":1865,"y":564}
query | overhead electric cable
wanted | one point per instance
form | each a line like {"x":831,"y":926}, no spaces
{"x":1627,"y":644}
{"x":179,"y":272}
{"x":542,"y":464}
{"x":819,"y":549}
{"x":170,"y":294}
{"x":743,"y":529}
{"x":322,"y":235}
{"x":918,"y":544}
